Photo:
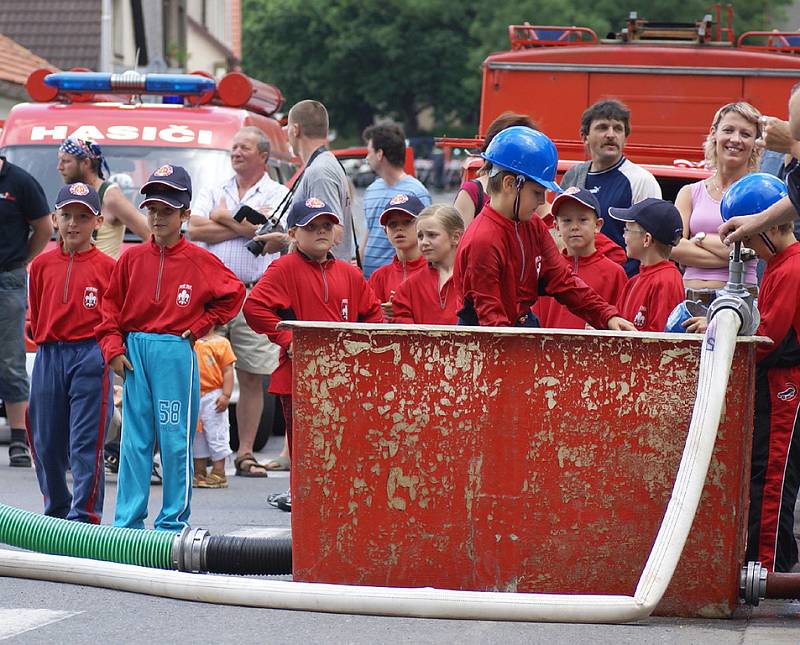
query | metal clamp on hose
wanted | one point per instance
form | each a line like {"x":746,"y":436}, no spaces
{"x":753,"y":583}
{"x":189,"y":550}
{"x":735,"y":296}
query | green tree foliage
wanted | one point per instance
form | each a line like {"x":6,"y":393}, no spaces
{"x":398,"y":57}
{"x":360,"y":58}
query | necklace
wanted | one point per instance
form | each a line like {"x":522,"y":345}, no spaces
{"x":443,"y":296}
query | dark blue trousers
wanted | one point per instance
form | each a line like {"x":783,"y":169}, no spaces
{"x":68,"y":415}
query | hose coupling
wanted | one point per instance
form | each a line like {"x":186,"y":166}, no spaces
{"x":189,"y":550}
{"x":743,"y":306}
{"x":753,"y":583}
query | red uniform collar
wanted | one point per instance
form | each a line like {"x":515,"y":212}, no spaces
{"x":779,"y":258}
{"x":179,"y":246}
{"x":77,"y":256}
{"x":654,"y":268}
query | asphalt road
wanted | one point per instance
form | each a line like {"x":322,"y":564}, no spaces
{"x":45,"y":612}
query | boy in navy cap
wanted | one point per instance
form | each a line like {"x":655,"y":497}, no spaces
{"x":652,"y":227}
{"x":164,"y":294}
{"x":70,"y":407}
{"x":309,"y":284}
{"x":578,"y":221}
{"x":399,"y":222}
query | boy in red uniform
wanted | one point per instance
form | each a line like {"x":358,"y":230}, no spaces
{"x":429,"y":297}
{"x":164,"y":294}
{"x":399,"y":221}
{"x":309,"y":284}
{"x":652,"y":227}
{"x":775,"y":466}
{"x":70,"y":407}
{"x":578,"y":220}
{"x":507,"y":249}
{"x":775,"y":471}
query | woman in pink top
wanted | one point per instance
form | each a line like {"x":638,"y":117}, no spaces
{"x":731,"y":151}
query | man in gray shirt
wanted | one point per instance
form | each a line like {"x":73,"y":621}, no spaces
{"x":324,"y":177}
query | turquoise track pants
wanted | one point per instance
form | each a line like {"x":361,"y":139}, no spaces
{"x":161,"y":397}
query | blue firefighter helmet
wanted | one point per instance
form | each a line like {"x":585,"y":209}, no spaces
{"x":526,"y":152}
{"x":751,"y":194}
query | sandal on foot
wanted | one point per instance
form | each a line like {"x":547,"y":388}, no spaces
{"x":213,"y":481}
{"x":279,"y":463}
{"x":247,"y":466}
{"x":19,"y":456}
{"x":196,"y":481}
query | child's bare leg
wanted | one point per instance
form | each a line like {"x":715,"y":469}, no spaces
{"x":218,"y":467}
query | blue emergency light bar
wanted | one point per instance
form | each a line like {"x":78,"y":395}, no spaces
{"x":131,"y":83}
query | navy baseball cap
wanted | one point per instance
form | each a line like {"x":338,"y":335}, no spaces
{"x":79,"y":193}
{"x":304,"y":212}
{"x":402,"y":203}
{"x":575,"y":194}
{"x":658,"y":217}
{"x":170,"y":185}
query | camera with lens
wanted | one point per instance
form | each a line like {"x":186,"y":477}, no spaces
{"x":256,"y":247}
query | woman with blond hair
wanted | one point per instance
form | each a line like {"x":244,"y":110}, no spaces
{"x":731,"y":152}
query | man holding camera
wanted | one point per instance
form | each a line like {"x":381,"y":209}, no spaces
{"x":219,"y":220}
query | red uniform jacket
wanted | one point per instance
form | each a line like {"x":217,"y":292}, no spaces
{"x":66,"y":292}
{"x":649,"y":297}
{"x":418,"y":300}
{"x":601,"y":273}
{"x":390,"y":276}
{"x":167,"y":291}
{"x":779,"y":306}
{"x":497,"y":270}
{"x":295,"y":287}
{"x":610,"y":249}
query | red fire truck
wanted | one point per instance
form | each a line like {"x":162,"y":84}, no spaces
{"x":672,"y":76}
{"x":191,"y":125}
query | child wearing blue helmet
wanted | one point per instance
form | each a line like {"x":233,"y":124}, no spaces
{"x":775,"y":465}
{"x":507,"y":250}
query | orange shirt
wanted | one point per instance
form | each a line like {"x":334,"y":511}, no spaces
{"x":213,"y":355}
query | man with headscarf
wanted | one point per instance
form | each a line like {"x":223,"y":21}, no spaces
{"x":82,"y":160}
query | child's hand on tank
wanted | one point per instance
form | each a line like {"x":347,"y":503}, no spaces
{"x":618,"y":323}
{"x":696,"y":325}
{"x":221,"y":404}
{"x":188,"y":334}
{"x":119,"y":364}
{"x":388,"y":311}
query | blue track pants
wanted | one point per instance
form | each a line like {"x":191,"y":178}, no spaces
{"x":68,"y":416}
{"x":161,"y":397}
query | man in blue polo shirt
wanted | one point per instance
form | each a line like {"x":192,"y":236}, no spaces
{"x":24,"y":232}
{"x":386,"y":154}
{"x":615,"y":181}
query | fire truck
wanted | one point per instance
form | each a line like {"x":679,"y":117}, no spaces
{"x":672,"y":76}
{"x":191,"y":125}
{"x":142,"y":122}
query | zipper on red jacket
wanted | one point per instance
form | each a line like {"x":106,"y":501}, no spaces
{"x":324,"y":282}
{"x":522,"y":250}
{"x":575,"y":270}
{"x":69,"y":273}
{"x":160,"y":271}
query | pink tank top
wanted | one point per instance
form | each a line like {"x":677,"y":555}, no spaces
{"x":706,"y":218}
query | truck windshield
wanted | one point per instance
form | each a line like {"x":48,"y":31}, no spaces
{"x":130,"y":166}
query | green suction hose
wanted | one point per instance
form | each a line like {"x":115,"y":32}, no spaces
{"x":190,"y":550}
{"x":44,"y":534}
